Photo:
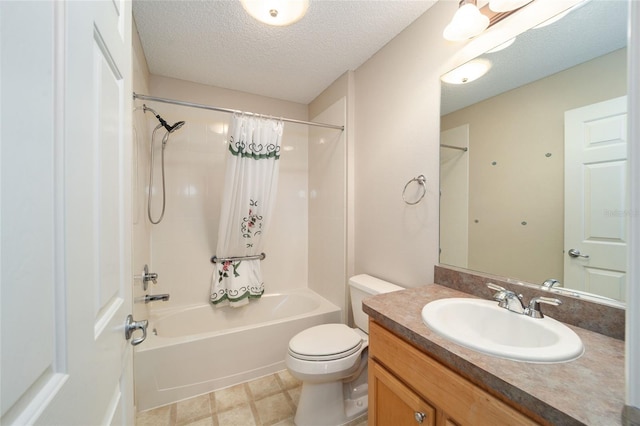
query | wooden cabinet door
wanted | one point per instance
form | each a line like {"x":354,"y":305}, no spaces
{"x":393,"y":403}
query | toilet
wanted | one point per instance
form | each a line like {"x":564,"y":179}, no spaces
{"x":331,"y":362}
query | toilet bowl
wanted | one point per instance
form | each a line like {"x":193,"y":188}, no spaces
{"x":331,"y":362}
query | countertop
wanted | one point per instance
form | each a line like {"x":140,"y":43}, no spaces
{"x":589,"y":390}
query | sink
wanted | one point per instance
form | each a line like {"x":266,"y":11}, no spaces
{"x":485,"y":327}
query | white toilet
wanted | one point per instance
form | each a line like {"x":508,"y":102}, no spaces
{"x":331,"y":362}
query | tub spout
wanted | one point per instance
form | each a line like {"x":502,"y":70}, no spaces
{"x":155,"y":298}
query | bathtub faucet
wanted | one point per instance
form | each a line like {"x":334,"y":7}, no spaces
{"x":155,"y":297}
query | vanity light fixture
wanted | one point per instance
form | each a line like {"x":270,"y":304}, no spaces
{"x":470,"y":20}
{"x":278,"y":13}
{"x":468,"y":72}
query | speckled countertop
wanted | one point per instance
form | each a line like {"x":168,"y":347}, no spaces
{"x":589,"y":390}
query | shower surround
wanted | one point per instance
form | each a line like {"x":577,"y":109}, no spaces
{"x":305,"y":246}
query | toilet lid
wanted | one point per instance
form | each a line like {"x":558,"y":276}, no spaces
{"x":325,"y":342}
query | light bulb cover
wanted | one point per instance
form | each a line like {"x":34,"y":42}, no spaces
{"x":507,"y":5}
{"x":278,"y":13}
{"x":468,"y":22}
{"x":468,"y":72}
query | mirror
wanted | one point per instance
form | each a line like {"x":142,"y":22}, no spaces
{"x":504,"y":164}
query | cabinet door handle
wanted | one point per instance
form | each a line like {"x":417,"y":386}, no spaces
{"x":420,"y":416}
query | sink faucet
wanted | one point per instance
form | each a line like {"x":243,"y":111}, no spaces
{"x":513,"y":302}
{"x":155,"y":297}
{"x":507,"y":299}
{"x":548,"y":284}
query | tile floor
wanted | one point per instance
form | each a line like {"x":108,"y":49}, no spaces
{"x":267,"y":401}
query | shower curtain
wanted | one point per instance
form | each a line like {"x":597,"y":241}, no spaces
{"x":249,"y":194}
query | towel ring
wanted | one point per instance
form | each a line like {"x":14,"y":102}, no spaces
{"x":422,"y":182}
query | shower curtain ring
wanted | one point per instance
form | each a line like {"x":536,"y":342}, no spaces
{"x":422,"y":182}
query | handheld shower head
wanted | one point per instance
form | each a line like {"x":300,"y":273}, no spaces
{"x":175,"y":126}
{"x":163,"y":123}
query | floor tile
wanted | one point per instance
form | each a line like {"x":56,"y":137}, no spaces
{"x":192,"y":409}
{"x":264,"y":386}
{"x":230,"y":397}
{"x":288,"y":381}
{"x":294,"y":394}
{"x":241,"y":415}
{"x":273,"y":409}
{"x":207,"y":421}
{"x":267,"y":401}
{"x":156,"y":417}
{"x":286,"y":422}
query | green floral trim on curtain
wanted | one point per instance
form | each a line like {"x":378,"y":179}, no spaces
{"x":239,"y":294}
{"x":253,"y":150}
{"x":224,"y":272}
{"x":251,"y":224}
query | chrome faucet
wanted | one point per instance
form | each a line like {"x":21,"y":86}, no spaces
{"x":533,"y":310}
{"x":148,"y":276}
{"x":513,"y":302}
{"x":155,"y":297}
{"x":548,"y":284}
{"x":507,"y":299}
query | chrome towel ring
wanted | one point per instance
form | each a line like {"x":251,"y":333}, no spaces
{"x":422,"y":181}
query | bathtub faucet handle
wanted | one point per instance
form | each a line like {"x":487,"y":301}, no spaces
{"x":155,"y":298}
{"x":148,"y":276}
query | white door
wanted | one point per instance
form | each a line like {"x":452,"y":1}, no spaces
{"x":454,"y":197}
{"x":65,"y":195}
{"x":595,"y":246}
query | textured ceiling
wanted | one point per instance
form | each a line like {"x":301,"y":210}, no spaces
{"x":215,"y":42}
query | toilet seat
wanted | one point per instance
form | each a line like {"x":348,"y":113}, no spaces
{"x":325,"y":342}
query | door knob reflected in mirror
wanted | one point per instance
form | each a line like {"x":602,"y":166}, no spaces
{"x":576,"y":253}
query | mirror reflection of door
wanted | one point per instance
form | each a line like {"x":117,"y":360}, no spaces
{"x":454,"y":196}
{"x":596,"y":198}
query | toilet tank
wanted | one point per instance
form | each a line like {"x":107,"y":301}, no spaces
{"x":361,"y":287}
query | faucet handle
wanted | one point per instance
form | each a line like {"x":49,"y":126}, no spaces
{"x":496,"y":287}
{"x":534,"y":305}
{"x":148,"y":276}
{"x":501,"y":293}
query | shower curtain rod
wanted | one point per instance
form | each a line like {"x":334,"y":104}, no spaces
{"x":231,"y":111}
{"x":461,"y":148}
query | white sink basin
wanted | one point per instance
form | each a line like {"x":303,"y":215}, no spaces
{"x":484,"y":326}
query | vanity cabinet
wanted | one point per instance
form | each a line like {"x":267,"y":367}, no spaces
{"x":408,"y":387}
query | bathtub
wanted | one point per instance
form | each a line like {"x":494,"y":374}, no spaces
{"x":198,"y":349}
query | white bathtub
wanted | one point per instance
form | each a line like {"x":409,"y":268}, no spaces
{"x":198,"y":349}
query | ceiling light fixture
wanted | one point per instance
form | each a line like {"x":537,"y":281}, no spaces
{"x":276,"y":12}
{"x":466,"y":73}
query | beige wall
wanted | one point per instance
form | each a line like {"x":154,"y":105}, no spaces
{"x":397,"y":103}
{"x":397,"y":95}
{"x":511,"y":178}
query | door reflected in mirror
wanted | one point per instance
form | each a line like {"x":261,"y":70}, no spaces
{"x":545,"y":169}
